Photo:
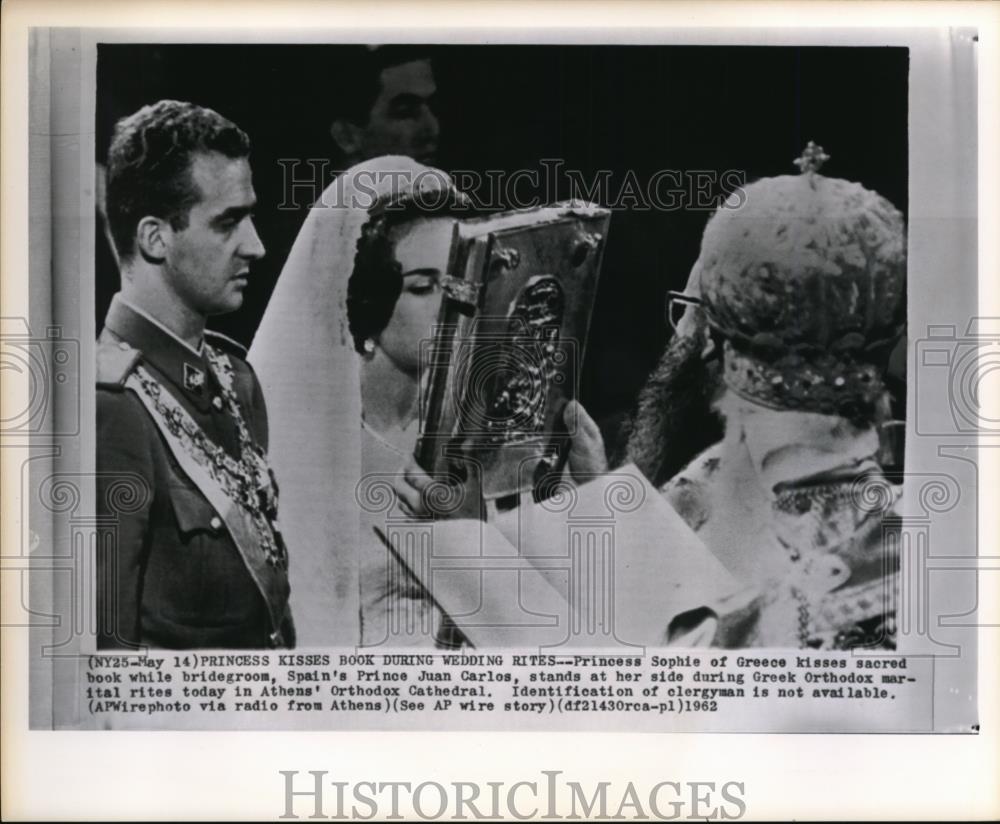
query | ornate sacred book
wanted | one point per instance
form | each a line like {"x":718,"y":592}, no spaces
{"x":505,"y":357}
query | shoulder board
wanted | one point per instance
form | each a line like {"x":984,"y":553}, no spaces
{"x":115,"y":362}
{"x":226,"y":344}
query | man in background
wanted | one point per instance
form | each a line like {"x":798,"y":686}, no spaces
{"x":386,"y":107}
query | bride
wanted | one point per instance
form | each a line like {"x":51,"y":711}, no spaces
{"x":338,"y":356}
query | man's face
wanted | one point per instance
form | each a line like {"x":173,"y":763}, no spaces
{"x":207,"y":262}
{"x":402,"y":121}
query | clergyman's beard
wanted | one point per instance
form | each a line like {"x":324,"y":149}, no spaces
{"x":674,"y":420}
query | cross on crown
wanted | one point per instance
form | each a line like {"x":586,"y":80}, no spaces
{"x":812,"y":158}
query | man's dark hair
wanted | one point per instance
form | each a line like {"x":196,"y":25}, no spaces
{"x":377,"y":278}
{"x":362,"y":74}
{"x":149,"y":164}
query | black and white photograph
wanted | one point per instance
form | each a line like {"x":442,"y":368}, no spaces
{"x":608,"y":293}
{"x":591,"y":381}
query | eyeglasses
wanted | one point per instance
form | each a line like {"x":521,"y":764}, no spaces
{"x":677,"y":305}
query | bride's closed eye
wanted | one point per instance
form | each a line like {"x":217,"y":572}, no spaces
{"x":420,"y":284}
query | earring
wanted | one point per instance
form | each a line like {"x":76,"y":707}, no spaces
{"x":369,"y":346}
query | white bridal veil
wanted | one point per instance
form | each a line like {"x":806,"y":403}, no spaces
{"x":304,"y":356}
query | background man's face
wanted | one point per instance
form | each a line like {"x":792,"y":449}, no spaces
{"x":402,"y":121}
{"x":208,"y":261}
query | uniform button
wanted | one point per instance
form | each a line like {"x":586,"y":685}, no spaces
{"x":216,"y":522}
{"x":217,"y":402}
{"x":837,"y":574}
{"x":123,"y":346}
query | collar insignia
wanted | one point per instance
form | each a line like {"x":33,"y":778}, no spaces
{"x":194,"y":378}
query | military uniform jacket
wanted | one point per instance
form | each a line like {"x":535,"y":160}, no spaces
{"x":180,"y":571}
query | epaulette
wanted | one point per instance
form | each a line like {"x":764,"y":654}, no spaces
{"x":115,"y":362}
{"x":226,"y":344}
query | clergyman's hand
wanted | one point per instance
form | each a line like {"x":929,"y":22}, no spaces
{"x":586,"y":453}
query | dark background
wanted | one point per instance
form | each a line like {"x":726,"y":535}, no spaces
{"x":639,"y":108}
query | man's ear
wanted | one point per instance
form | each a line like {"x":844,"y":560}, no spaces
{"x":151,"y":238}
{"x":346,"y":135}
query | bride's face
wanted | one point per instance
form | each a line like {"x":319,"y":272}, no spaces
{"x":421,"y":248}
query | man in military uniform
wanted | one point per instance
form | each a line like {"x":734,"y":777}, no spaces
{"x":198,"y":560}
